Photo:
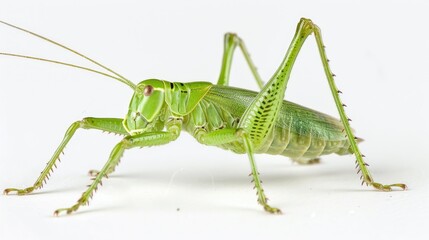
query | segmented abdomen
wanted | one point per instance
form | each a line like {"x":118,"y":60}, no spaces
{"x":299,"y":133}
{"x":301,"y":147}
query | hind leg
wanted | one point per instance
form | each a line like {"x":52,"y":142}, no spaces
{"x":231,"y":42}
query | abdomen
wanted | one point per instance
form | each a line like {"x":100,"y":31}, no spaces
{"x":299,"y":132}
{"x":302,"y":133}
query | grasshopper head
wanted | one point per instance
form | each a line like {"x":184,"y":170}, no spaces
{"x":145,"y":106}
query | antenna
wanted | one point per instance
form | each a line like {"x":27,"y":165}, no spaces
{"x":119,"y":77}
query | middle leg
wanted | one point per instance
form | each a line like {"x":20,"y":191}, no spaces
{"x":225,"y":136}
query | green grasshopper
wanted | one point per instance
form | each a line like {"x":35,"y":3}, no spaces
{"x":243,"y":121}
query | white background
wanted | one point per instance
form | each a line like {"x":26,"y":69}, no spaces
{"x":378,"y":50}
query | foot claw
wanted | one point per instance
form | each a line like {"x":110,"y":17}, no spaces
{"x":67,"y":210}
{"x":93,"y":173}
{"x":388,"y":188}
{"x":24,"y":191}
{"x":272,"y":210}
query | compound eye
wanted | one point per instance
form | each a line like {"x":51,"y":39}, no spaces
{"x":148,"y":90}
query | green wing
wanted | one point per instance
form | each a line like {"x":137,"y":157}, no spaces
{"x":299,"y":119}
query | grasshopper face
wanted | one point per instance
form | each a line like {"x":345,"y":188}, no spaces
{"x":145,"y":106}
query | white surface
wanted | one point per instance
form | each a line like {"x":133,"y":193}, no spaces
{"x":378,"y":50}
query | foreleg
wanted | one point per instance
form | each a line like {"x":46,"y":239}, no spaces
{"x":113,"y":125}
{"x":141,"y":140}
